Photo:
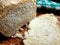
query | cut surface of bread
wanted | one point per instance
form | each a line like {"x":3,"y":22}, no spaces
{"x":44,"y":30}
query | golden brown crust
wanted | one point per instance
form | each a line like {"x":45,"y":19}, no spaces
{"x":7,"y":4}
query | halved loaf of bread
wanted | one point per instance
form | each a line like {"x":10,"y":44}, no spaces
{"x":44,"y":30}
{"x":12,"y":19}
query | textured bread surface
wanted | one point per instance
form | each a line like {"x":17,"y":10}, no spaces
{"x":12,"y":19}
{"x":8,"y":3}
{"x":44,"y":30}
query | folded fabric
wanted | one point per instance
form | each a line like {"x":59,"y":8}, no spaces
{"x":48,"y":4}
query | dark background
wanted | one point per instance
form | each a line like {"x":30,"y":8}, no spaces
{"x":48,"y":10}
{"x":56,"y":1}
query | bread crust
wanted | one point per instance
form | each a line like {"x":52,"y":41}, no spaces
{"x":12,"y":19}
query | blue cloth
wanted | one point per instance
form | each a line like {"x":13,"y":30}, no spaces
{"x":48,"y":4}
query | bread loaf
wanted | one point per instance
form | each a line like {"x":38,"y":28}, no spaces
{"x":12,"y":19}
{"x":44,"y":30}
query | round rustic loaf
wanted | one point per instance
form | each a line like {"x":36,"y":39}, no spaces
{"x":44,"y":30}
{"x":12,"y":19}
